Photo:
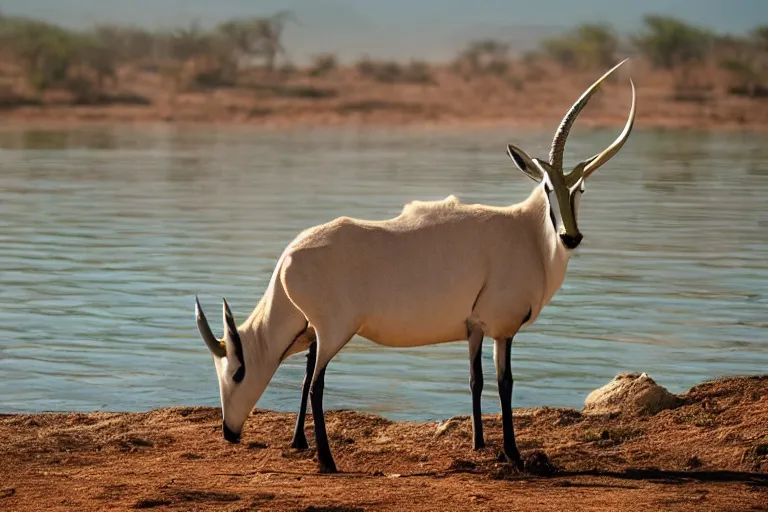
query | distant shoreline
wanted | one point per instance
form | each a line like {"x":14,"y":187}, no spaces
{"x":73,"y":117}
{"x":344,"y":98}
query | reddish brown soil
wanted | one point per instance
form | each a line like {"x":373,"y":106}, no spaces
{"x":525,"y":96}
{"x":709,"y":454}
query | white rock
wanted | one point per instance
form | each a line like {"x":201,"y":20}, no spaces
{"x":449,"y":425}
{"x":634,"y":393}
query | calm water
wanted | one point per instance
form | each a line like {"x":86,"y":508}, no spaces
{"x":107,"y":234}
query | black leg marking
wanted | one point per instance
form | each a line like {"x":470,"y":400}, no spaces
{"x":511,"y":453}
{"x":476,"y":386}
{"x":299,"y":438}
{"x":324,"y":457}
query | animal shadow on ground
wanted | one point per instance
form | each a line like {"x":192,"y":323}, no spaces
{"x":675,"y":477}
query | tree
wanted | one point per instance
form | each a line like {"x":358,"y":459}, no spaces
{"x":257,"y":38}
{"x":186,"y":44}
{"x":486,"y":56}
{"x":271,"y":32}
{"x":128,"y":44}
{"x":44,"y":51}
{"x":589,"y":46}
{"x":746,"y":60}
{"x":668,"y":42}
{"x":97,"y":56}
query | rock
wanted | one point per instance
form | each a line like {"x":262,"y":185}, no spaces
{"x":634,"y":393}
{"x":449,"y":425}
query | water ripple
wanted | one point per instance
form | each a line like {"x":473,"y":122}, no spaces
{"x":106,"y":235}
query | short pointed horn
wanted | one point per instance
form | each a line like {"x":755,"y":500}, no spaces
{"x":614,"y":148}
{"x":214,"y":345}
{"x":561,"y":135}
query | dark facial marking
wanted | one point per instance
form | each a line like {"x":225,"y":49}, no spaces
{"x":232,"y":437}
{"x":232,"y":331}
{"x":551,"y":214}
{"x":571,"y":242}
{"x":239,"y":375}
{"x":573,"y":203}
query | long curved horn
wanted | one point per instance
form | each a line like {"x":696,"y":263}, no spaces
{"x":558,"y":143}
{"x":614,"y":148}
{"x":216,"y":347}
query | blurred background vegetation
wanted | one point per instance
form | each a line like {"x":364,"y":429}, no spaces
{"x":105,"y":64}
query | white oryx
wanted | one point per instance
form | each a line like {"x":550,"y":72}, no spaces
{"x":440,"y":271}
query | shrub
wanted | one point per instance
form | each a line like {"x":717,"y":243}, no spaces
{"x":487,"y":56}
{"x":668,"y":42}
{"x":323,"y":64}
{"x":381,"y":71}
{"x":417,"y":72}
{"x":589,"y":46}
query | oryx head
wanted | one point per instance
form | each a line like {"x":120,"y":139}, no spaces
{"x":563,"y":191}
{"x":237,"y":394}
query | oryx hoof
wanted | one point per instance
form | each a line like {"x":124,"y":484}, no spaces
{"x":300,"y":443}
{"x":327,"y":469}
{"x":512,"y":457}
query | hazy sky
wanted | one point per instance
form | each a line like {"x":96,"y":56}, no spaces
{"x":399,"y":28}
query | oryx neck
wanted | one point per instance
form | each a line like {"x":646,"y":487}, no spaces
{"x":553,"y":253}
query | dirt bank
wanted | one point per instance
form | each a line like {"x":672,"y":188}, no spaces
{"x":711,"y":453}
{"x":519,"y":99}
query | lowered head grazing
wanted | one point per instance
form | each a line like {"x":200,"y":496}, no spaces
{"x":234,"y":387}
{"x":563,"y":191}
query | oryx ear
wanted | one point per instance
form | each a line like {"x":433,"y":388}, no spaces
{"x":232,"y":340}
{"x":525,"y":163}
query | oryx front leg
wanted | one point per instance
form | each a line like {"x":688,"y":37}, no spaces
{"x":476,"y":384}
{"x":299,"y":438}
{"x":327,"y":347}
{"x":502,"y":357}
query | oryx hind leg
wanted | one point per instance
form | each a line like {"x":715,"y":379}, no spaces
{"x":299,"y":437}
{"x":476,"y":384}
{"x":502,"y":350}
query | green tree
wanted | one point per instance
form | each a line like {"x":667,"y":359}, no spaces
{"x":486,"y":56}
{"x":746,"y":60}
{"x":668,"y":42}
{"x":588,"y":46}
{"x":94,"y":54}
{"x":43,"y":50}
{"x":258,"y":38}
{"x":128,"y":44}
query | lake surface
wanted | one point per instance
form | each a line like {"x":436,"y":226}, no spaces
{"x":107,"y":234}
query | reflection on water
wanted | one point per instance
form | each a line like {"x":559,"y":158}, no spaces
{"x":107,"y":234}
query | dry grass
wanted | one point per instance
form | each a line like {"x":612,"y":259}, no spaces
{"x":388,"y":93}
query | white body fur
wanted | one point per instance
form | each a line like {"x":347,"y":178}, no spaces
{"x":417,"y":279}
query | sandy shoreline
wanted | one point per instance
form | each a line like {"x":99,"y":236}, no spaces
{"x":344,"y":98}
{"x":65,"y":118}
{"x":711,"y":453}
